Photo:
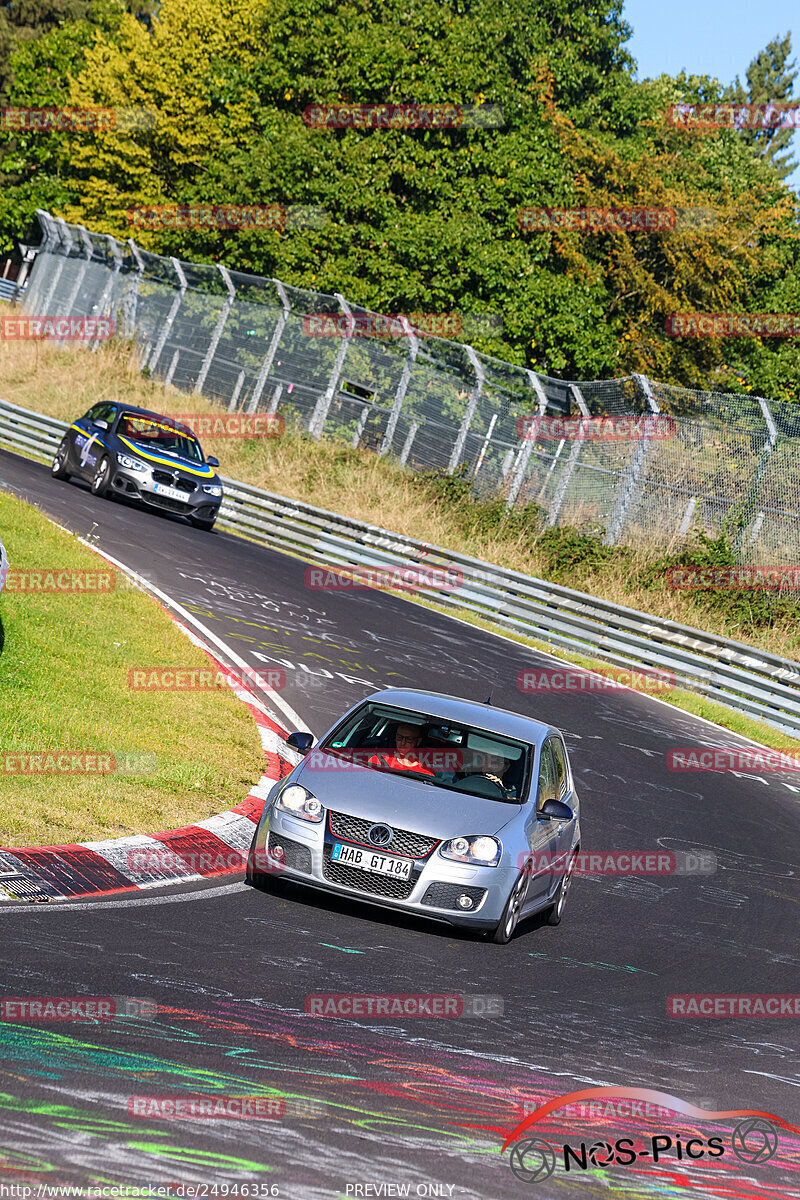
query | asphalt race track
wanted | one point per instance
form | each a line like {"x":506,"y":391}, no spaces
{"x":417,"y":1104}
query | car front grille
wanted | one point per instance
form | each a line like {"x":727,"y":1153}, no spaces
{"x":444,"y":895}
{"x":298,"y":856}
{"x":404,"y":842}
{"x":183,"y":485}
{"x":165,"y":502}
{"x":366,"y":881}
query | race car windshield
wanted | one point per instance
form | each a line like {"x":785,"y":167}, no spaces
{"x":450,"y":755}
{"x":160,"y":437}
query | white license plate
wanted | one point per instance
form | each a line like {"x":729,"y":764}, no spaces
{"x":366,"y":860}
{"x":170,"y":493}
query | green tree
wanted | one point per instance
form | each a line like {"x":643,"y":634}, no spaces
{"x":770,"y":78}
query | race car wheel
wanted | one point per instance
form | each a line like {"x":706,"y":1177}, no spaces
{"x":59,"y":468}
{"x":102,"y":477}
{"x":510,"y":918}
{"x":555,"y":913}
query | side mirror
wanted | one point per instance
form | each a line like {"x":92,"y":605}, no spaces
{"x":302,"y":743}
{"x":213,"y":462}
{"x":554,"y":810}
{"x":100,"y":424}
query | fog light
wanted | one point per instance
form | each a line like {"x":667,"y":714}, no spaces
{"x":465,"y":901}
{"x":278,"y":853}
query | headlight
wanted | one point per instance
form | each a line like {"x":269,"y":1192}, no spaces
{"x":300,"y":803}
{"x":212,"y":489}
{"x":131,"y":464}
{"x":477,"y":849}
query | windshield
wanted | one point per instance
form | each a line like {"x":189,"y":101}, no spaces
{"x":160,"y":437}
{"x":455,"y":756}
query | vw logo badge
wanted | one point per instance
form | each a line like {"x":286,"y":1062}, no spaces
{"x":380,"y":835}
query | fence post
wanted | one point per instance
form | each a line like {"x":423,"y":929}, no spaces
{"x":223,"y":316}
{"x":64,"y":237}
{"x":687,"y":517}
{"x":239,"y":384}
{"x":86,"y":245}
{"x":572,"y":461}
{"x":402,"y":387}
{"x":131,"y":302}
{"x":166,"y":328}
{"x":485,"y":445}
{"x":480,"y":375}
{"x":743,"y":539}
{"x":362,"y":420}
{"x":108,"y":287}
{"x":632,"y":476}
{"x":38,"y":280}
{"x":172,"y":368}
{"x":266,"y":366}
{"x":527,"y":444}
{"x":412,"y":433}
{"x":322,"y":407}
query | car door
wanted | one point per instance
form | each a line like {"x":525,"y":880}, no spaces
{"x":542,"y":833}
{"x":565,"y":830}
{"x":89,"y":440}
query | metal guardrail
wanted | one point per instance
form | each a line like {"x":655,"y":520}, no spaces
{"x":8,"y":290}
{"x":752,"y":681}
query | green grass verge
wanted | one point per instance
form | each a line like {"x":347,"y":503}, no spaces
{"x":64,"y":687}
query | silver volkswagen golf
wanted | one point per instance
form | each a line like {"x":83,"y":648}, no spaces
{"x":442,"y":807}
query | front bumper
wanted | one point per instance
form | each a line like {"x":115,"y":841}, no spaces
{"x":431,"y":891}
{"x":141,"y":485}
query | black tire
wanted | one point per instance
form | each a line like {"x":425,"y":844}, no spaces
{"x":556,"y":911}
{"x":102,"y":477}
{"x":201,"y":524}
{"x":504,"y":930}
{"x":59,"y":466}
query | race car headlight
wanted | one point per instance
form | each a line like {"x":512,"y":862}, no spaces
{"x":131,"y":464}
{"x":300,"y":803}
{"x":477,"y":849}
{"x":212,"y":489}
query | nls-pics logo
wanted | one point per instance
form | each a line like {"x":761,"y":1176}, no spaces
{"x":534,"y":1159}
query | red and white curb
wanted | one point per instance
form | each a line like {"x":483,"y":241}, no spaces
{"x":215,"y":846}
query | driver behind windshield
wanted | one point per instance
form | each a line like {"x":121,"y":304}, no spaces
{"x":492,"y":766}
{"x":403,"y":758}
